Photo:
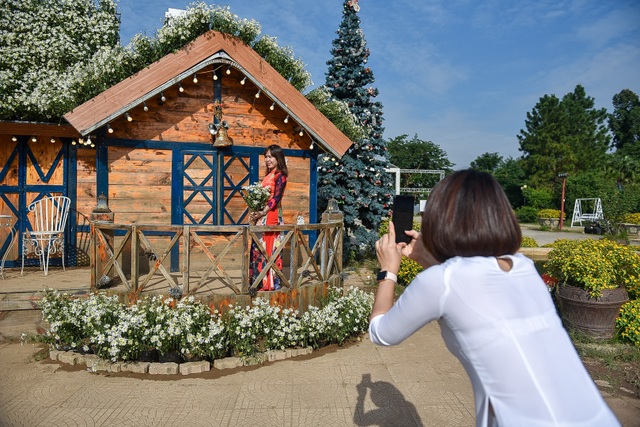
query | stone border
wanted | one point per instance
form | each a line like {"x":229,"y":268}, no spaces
{"x":96,"y":364}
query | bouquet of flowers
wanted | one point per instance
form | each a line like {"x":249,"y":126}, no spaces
{"x":256,"y":196}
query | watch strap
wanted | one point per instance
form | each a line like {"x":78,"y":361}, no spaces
{"x":387,"y":275}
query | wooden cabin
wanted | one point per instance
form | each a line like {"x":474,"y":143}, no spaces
{"x":148,"y":146}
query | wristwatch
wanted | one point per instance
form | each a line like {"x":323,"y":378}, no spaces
{"x":387,"y":275}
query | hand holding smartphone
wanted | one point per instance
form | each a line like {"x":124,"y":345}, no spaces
{"x":402,"y":217}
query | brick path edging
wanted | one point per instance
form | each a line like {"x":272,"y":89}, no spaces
{"x":96,"y":364}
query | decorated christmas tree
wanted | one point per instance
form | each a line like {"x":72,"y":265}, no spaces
{"x":358,"y":181}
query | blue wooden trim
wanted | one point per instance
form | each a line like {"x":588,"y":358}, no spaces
{"x":70,"y":182}
{"x":177,"y":159}
{"x":313,"y":188}
{"x":102,"y":166}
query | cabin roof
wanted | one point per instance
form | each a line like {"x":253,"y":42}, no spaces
{"x":210,"y":48}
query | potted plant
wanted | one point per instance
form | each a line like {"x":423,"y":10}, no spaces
{"x":632,"y":224}
{"x":549,"y":217}
{"x":596,"y":277}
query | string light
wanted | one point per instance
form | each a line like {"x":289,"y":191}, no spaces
{"x":243,"y":81}
{"x":53,"y":140}
{"x":73,"y":142}
{"x":229,"y":70}
{"x":195,"y":78}
{"x":311,"y":146}
{"x":301,"y":133}
{"x":14,"y":139}
{"x":286,"y":119}
{"x":145,"y":108}
{"x":109,"y":128}
{"x":162,"y":97}
{"x":258,"y":94}
{"x":34,"y":139}
{"x":215,"y":76}
{"x":272,"y":106}
{"x":129,"y":118}
{"x":180,"y":88}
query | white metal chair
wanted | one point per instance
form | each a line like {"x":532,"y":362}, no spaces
{"x":46,"y":236}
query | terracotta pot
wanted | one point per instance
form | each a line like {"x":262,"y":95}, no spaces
{"x":594,"y":318}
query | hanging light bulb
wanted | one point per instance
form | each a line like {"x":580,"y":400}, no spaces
{"x":229,"y":70}
{"x":129,"y":118}
{"x":109,"y":128}
{"x":258,"y":94}
{"x":311,"y":146}
{"x":180,"y":88}
{"x":14,"y":139}
{"x":243,"y":81}
{"x":286,"y":119}
{"x":272,"y":106}
{"x":34,"y":139}
{"x":73,"y":142}
{"x":93,"y":145}
{"x":195,"y":78}
{"x":215,"y":76}
{"x":81,"y":141}
{"x":301,"y":133}
{"x":162,"y":97}
{"x":53,"y":140}
{"x":145,"y":107}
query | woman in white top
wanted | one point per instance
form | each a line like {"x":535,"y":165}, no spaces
{"x":494,"y":310}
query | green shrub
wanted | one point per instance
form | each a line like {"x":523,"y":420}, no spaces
{"x":632,"y":218}
{"x":527,"y":214}
{"x":537,"y":197}
{"x":550,"y":213}
{"x":595,"y":265}
{"x":628,"y":322}
{"x":528,"y":242}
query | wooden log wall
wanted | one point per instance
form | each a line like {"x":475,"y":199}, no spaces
{"x":140,"y":179}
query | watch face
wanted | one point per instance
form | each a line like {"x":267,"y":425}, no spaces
{"x":382,"y":275}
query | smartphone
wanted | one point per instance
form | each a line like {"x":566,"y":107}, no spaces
{"x":403,"y":217}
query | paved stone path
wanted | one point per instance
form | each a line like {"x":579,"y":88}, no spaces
{"x":416,"y":384}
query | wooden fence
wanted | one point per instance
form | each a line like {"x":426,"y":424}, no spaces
{"x":210,"y":259}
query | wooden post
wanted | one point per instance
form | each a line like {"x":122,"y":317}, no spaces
{"x":100,"y":214}
{"x":332,"y":214}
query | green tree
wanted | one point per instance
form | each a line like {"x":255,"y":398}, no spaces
{"x":624,"y":123}
{"x":358,"y":181}
{"x":487,"y":162}
{"x":417,"y":154}
{"x":563,"y":135}
{"x":510,"y":175}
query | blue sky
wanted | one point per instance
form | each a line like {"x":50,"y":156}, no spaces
{"x":460,"y":73}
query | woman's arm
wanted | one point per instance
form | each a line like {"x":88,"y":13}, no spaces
{"x":389,"y":256}
{"x":278,"y":193}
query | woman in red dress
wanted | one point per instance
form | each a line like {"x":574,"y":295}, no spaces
{"x":276,"y":181}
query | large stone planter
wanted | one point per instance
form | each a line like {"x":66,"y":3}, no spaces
{"x":594,"y":318}
{"x":632,"y":229}
{"x":549,"y":222}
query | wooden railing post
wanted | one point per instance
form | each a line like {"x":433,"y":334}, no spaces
{"x":332,"y":214}
{"x":100,"y":214}
{"x":186,"y":257}
{"x":135,"y":260}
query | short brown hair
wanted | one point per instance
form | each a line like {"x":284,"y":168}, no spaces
{"x":468,"y":214}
